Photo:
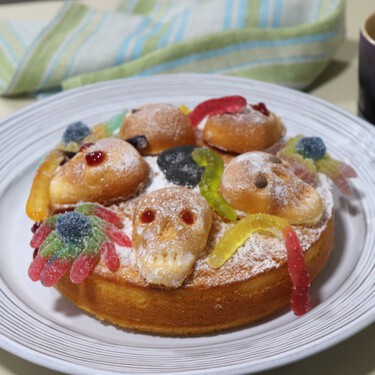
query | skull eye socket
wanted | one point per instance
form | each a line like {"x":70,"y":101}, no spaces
{"x":187,"y":217}
{"x":147,"y":216}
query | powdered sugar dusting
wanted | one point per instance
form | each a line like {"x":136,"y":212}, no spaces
{"x":257,"y":255}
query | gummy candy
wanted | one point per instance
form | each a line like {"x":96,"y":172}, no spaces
{"x":261,"y":107}
{"x":76,"y":240}
{"x":76,"y":132}
{"x":271,"y":225}
{"x":209,"y":183}
{"x":38,"y":203}
{"x":311,"y":148}
{"x":308,"y":152}
{"x":226,"y":104}
{"x":178,"y":166}
{"x":139,"y":142}
{"x":184,"y":109}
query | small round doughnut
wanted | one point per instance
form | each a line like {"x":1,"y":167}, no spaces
{"x":163,"y":125}
{"x":107,"y":171}
{"x":257,"y":182}
{"x":246,"y":130}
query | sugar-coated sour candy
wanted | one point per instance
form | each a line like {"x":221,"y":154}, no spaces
{"x":311,"y":153}
{"x":209,"y":183}
{"x":226,"y":104}
{"x":178,"y":166}
{"x":38,"y":203}
{"x":76,"y":240}
{"x":270,"y":225}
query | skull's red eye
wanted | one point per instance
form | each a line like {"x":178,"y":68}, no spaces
{"x":187,"y":217}
{"x":147,"y":216}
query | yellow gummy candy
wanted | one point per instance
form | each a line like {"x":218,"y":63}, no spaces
{"x":38,"y":203}
{"x":240,"y":232}
{"x":184,"y":109}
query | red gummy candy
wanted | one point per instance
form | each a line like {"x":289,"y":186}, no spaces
{"x":36,"y":267}
{"x":54,"y":270}
{"x":82,"y":267}
{"x":110,"y":256}
{"x":226,"y":104}
{"x":40,"y":235}
{"x":107,"y":215}
{"x":118,"y":236}
{"x":300,"y":298}
{"x":261,"y":107}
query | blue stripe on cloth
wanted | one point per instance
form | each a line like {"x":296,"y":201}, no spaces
{"x":277,"y":9}
{"x":16,"y":33}
{"x":163,"y":41}
{"x":145,"y":21}
{"x":316,"y":13}
{"x":81,"y":48}
{"x":235,"y":48}
{"x":8,"y":51}
{"x":228,"y":14}
{"x":263,"y":15}
{"x":242,"y":11}
{"x":285,"y":60}
{"x":131,"y":5}
{"x":51,"y":25}
{"x":63,"y":47}
{"x":181,"y":30}
{"x":138,"y":48}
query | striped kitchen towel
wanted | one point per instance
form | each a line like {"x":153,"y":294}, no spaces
{"x":288,"y":42}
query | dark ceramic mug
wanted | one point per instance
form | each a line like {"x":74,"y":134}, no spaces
{"x":366,"y":102}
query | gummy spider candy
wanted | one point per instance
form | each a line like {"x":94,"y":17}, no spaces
{"x":76,"y":240}
{"x":308,"y":156}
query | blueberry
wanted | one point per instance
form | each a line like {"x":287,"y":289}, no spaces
{"x":76,"y":132}
{"x":311,"y":148}
{"x":72,"y":227}
{"x":179,"y":167}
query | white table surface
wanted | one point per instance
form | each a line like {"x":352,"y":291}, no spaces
{"x":338,"y":85}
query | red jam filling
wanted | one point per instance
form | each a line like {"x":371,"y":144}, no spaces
{"x":94,"y":158}
{"x":187,"y":217}
{"x":148,"y":216}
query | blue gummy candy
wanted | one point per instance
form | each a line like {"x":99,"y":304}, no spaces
{"x":311,"y":148}
{"x":76,"y":132}
{"x":72,"y":227}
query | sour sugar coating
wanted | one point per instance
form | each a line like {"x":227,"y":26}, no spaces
{"x":269,"y":225}
{"x":76,"y":132}
{"x":178,"y":166}
{"x":312,"y":153}
{"x":209,"y":183}
{"x":76,"y":241}
{"x":311,"y":148}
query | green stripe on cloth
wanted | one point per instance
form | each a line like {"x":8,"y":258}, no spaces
{"x":37,"y":62}
{"x":82,"y":45}
{"x":8,"y":36}
{"x":6,"y":67}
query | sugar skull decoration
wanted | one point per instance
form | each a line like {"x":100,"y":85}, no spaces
{"x":270,"y":187}
{"x":170,"y":230}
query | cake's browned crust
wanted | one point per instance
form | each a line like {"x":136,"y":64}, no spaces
{"x":195,"y":308}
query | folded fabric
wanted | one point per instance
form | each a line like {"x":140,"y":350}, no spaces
{"x":288,"y":42}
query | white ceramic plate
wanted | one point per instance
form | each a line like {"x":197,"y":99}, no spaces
{"x":39,"y":325}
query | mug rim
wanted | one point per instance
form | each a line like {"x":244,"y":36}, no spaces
{"x":368,"y":37}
